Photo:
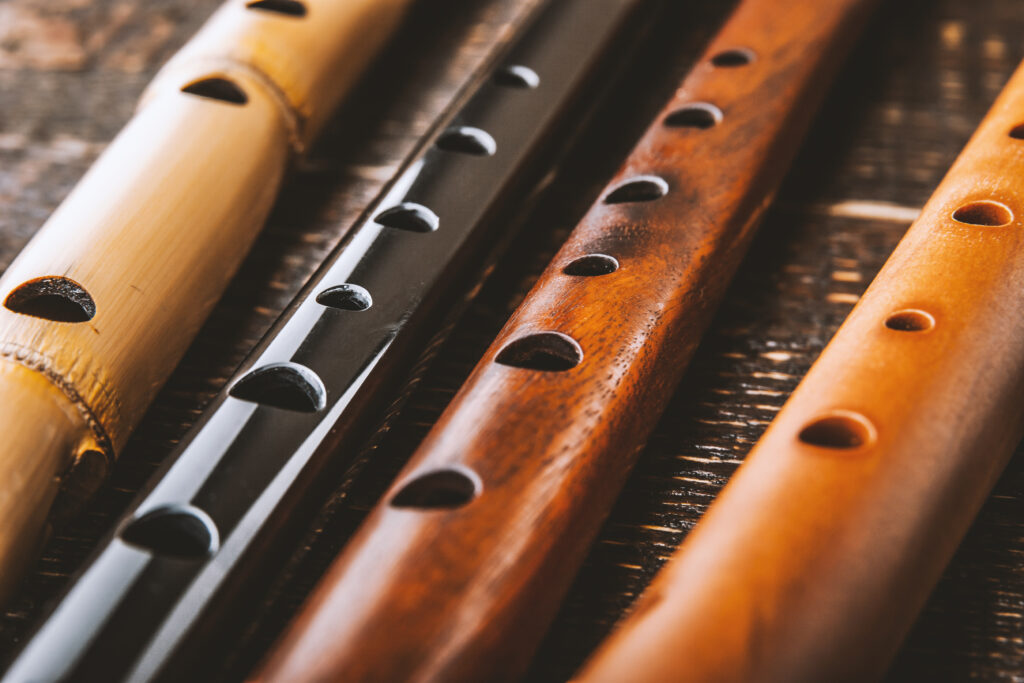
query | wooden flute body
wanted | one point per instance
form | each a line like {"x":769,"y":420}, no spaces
{"x":456,"y":575}
{"x":814,"y":560}
{"x":103,"y":302}
{"x":196,"y":545}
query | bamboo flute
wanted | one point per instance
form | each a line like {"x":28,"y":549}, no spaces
{"x":102,"y":303}
{"x":458,"y":572}
{"x":814,"y":560}
{"x":199,"y":541}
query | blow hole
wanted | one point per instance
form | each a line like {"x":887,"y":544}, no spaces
{"x":643,"y":188}
{"x":467,"y":140}
{"x":217,"y":88}
{"x":288,"y":386}
{"x":409,"y":216}
{"x":55,"y":298}
{"x":446,"y":488}
{"x":347,"y":297}
{"x":551,"y":351}
{"x":181,"y":531}
{"x":591,"y":265}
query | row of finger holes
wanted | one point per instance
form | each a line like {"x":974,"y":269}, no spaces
{"x":186,"y":532}
{"x":554,"y":351}
{"x":296,"y":387}
{"x":453,"y":487}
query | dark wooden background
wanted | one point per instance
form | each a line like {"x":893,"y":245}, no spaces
{"x":921,"y":79}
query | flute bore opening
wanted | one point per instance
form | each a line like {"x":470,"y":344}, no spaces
{"x":592,"y":265}
{"x":910,"y":320}
{"x":288,"y":386}
{"x":446,"y":488}
{"x":841,"y":430}
{"x":54,"y":298}
{"x":640,"y":189}
{"x":985,"y":213}
{"x":735,"y":57}
{"x":291,"y":8}
{"x":180,"y":531}
{"x":550,"y":351}
{"x":699,"y":115}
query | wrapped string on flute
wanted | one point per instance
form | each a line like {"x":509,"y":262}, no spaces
{"x":103,"y":302}
{"x":192,"y":551}
{"x":458,"y":572}
{"x":814,"y":560}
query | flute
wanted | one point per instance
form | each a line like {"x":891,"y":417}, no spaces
{"x":814,"y":560}
{"x":457,"y":573}
{"x":198,"y":541}
{"x":103,"y":302}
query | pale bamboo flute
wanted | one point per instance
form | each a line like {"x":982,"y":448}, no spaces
{"x":458,"y":572}
{"x":103,"y":302}
{"x":170,"y":586}
{"x":814,"y":560}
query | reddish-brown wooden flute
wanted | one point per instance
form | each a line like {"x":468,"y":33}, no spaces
{"x":460,"y":570}
{"x":814,"y":560}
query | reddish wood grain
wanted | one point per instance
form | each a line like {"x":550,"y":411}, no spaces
{"x":813,"y":562}
{"x":460,"y":592}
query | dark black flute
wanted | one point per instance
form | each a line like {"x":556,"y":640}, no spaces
{"x":152,"y":599}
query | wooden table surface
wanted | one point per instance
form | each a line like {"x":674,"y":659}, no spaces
{"x":924,"y":75}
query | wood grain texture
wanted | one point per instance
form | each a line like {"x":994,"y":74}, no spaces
{"x":875,"y":467}
{"x":900,"y":113}
{"x":455,"y":575}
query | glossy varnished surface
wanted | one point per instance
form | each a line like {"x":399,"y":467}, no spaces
{"x":903,"y":109}
{"x":458,"y":571}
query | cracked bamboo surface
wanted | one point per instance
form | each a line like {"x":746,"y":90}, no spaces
{"x":155,"y":230}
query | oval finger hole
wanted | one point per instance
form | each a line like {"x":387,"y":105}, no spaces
{"x":288,"y":386}
{"x":841,"y":430}
{"x":347,"y":297}
{"x":409,"y":216}
{"x":55,"y":298}
{"x":639,"y":189}
{"x":551,"y":351}
{"x":181,"y":531}
{"x":700,"y":115}
{"x":467,"y":140}
{"x":910,"y":320}
{"x":592,"y":265}
{"x":985,"y":213}
{"x":217,"y":88}
{"x":440,"y":489}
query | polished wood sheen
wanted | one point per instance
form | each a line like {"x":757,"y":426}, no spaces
{"x":457,"y":574}
{"x":813,"y":562}
{"x":108,"y":295}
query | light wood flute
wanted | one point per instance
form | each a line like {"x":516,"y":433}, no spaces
{"x":814,"y":560}
{"x":103,"y":302}
{"x":457,"y":574}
